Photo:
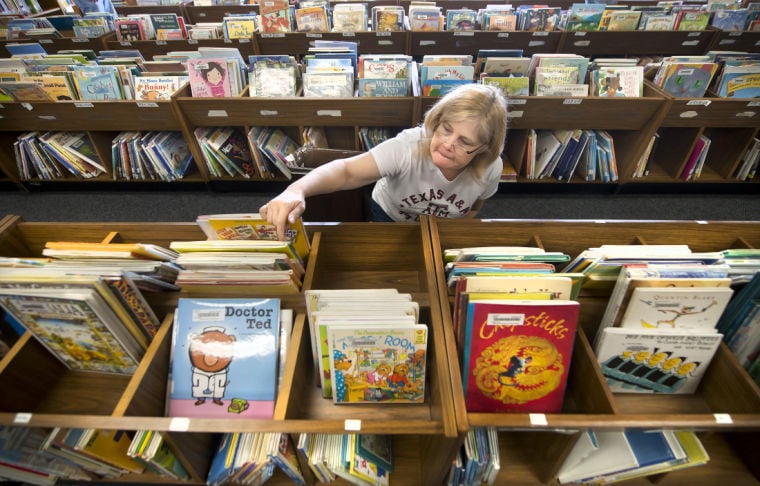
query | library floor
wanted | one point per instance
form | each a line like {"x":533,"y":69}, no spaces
{"x":180,"y":206}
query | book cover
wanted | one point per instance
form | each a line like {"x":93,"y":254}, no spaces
{"x":652,"y":361}
{"x":357,"y":352}
{"x":687,"y":79}
{"x":251,"y":226}
{"x":72,"y":325}
{"x":224,"y":358}
{"x":692,"y":20}
{"x":23,"y":91}
{"x":383,"y":87}
{"x":584,"y":16}
{"x":625,"y":81}
{"x":209,"y":77}
{"x":312,"y":19}
{"x":98,"y":83}
{"x":509,"y":85}
{"x":275,"y":16}
{"x":517,"y":354}
{"x":156,"y":88}
{"x":110,"y":446}
{"x":624,"y":20}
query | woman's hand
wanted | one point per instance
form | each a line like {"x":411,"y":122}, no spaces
{"x":283,"y":210}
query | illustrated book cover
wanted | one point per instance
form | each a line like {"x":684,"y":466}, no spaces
{"x":395,"y":356}
{"x":251,"y":226}
{"x":652,"y":361}
{"x":670,"y":308}
{"x":209,"y":77}
{"x":517,"y":354}
{"x":76,"y":326}
{"x":224,"y":358}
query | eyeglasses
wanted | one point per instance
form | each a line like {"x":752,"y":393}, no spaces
{"x":461,"y":148}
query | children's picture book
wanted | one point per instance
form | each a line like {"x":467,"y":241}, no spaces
{"x":76,"y":326}
{"x":378,"y":364}
{"x":584,"y":16}
{"x":676,"y":308}
{"x":224,"y":358}
{"x":686,"y":79}
{"x":275,"y":16}
{"x":627,"y":81}
{"x":517,"y":354}
{"x":652,"y":361}
{"x":98,"y":83}
{"x":252,"y":226}
{"x":209,"y":77}
{"x":23,"y":91}
{"x":157,"y":88}
{"x":624,"y":20}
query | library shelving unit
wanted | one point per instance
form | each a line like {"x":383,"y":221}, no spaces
{"x":631,"y":43}
{"x":297,"y":43}
{"x":215,"y":13}
{"x":40,"y":393}
{"x":68,"y":41}
{"x":731,"y":125}
{"x":101,"y":120}
{"x":725,"y":410}
{"x":632,"y":122}
{"x":150,"y":48}
{"x":340,"y":117}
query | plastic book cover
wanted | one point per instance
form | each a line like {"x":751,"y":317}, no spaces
{"x":312,"y":19}
{"x":371,"y":87}
{"x":224,"y":358}
{"x":209,"y":77}
{"x":517,"y":354}
{"x":83,"y":335}
{"x":459,"y":20}
{"x":251,"y":226}
{"x":584,"y":16}
{"x":98,"y":83}
{"x":157,"y":88}
{"x":275,"y":16}
{"x":625,"y":81}
{"x":688,"y":80}
{"x":671,"y":308}
{"x":388,"y":18}
{"x":624,"y":20}
{"x":509,"y":85}
{"x":398,"y":353}
{"x":653,"y":361}
{"x":24,"y":91}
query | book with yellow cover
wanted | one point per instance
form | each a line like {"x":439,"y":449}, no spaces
{"x":251,"y":226}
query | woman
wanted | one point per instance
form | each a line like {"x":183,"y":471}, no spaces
{"x":447,"y":167}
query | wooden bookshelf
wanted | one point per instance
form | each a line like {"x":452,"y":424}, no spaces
{"x":632,"y":122}
{"x":725,"y":389}
{"x":408,"y":257}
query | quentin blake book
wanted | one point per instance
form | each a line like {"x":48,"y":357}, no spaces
{"x":224,"y":358}
{"x":517,"y":354}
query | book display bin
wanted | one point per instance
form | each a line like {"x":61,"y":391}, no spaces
{"x":39,"y":392}
{"x":732,"y":124}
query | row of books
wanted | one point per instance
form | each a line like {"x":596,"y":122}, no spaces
{"x":368,"y":345}
{"x":37,"y":456}
{"x":478,"y":461}
{"x":564,"y":154}
{"x":134,"y":156}
{"x":663,"y":16}
{"x":252,"y":457}
{"x":664,"y":300}
{"x":669,"y":310}
{"x":611,"y":456}
{"x":358,"y":459}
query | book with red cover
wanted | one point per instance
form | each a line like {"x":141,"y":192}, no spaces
{"x":517,"y":354}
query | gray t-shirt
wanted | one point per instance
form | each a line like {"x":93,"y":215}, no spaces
{"x":412,"y":185}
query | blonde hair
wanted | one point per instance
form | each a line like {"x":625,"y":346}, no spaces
{"x":481,"y":103}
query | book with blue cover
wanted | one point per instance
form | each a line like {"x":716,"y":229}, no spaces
{"x":224,"y":358}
